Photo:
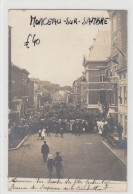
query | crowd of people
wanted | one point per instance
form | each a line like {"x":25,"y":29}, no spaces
{"x":60,"y":120}
{"x":76,"y":121}
{"x":19,"y":128}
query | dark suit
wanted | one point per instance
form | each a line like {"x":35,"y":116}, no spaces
{"x":120,"y":131}
{"x":58,"y":165}
{"x":45,"y":151}
{"x":50,"y":166}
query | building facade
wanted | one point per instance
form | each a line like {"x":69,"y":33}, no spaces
{"x":31,"y":94}
{"x":19,"y":91}
{"x":95,"y":83}
{"x":118,"y":62}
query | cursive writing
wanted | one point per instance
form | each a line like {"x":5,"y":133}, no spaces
{"x":22,"y":184}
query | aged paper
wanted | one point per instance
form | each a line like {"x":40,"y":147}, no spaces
{"x":67,"y":126}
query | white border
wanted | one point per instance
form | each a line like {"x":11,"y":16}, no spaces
{"x":56,"y":4}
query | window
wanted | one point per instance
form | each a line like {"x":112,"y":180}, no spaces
{"x":120,"y":97}
{"x":25,"y":90}
{"x":120,"y":76}
{"x":125,"y":95}
{"x":102,"y":77}
{"x":121,"y":119}
{"x":124,"y":76}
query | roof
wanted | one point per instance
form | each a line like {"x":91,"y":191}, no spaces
{"x":23,"y":70}
{"x":101,"y":49}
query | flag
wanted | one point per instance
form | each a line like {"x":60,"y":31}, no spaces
{"x":121,"y":52}
{"x":114,"y":60}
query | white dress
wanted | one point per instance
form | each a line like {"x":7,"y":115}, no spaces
{"x":43,"y":133}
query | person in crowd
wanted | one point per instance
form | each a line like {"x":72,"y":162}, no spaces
{"x":27,"y":129}
{"x":50,"y":163}
{"x":43,"y":134}
{"x":120,"y":131}
{"x":90,"y":126}
{"x":80,"y":127}
{"x":61,"y":131}
{"x":95,"y":128}
{"x":104,"y":127}
{"x":77,"y":127}
{"x":56,"y":128}
{"x":100,"y":127}
{"x":111,"y":122}
{"x":68,"y":129}
{"x":47,"y":131}
{"x":74,"y":127}
{"x":83,"y":126}
{"x":64,"y":125}
{"x":39,"y":134}
{"x":45,"y":151}
{"x":86,"y":127}
{"x":50,"y":125}
{"x":58,"y":164}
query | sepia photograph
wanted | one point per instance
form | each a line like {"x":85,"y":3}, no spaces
{"x":67,"y":100}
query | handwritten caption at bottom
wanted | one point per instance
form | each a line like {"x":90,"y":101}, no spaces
{"x":30,"y":185}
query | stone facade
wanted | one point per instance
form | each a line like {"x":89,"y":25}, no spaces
{"x":94,"y":66}
{"x":118,"y":64}
{"x":19,"y":90}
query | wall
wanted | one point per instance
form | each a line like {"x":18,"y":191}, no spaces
{"x":16,"y":83}
{"x":31,"y":93}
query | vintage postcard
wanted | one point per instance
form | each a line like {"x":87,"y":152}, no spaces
{"x":67,"y":118}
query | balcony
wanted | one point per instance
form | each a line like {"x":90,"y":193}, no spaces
{"x":114,"y":79}
{"x":113,"y":108}
{"x":95,"y":106}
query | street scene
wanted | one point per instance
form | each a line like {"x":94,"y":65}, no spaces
{"x":67,"y":113}
{"x":83,"y":157}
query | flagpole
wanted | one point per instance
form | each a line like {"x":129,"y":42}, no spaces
{"x":121,"y":52}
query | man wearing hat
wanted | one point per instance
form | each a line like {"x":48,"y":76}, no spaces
{"x":58,"y":164}
{"x":50,"y":163}
{"x":45,"y":151}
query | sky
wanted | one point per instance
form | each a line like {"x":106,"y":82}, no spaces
{"x":59,"y":56}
